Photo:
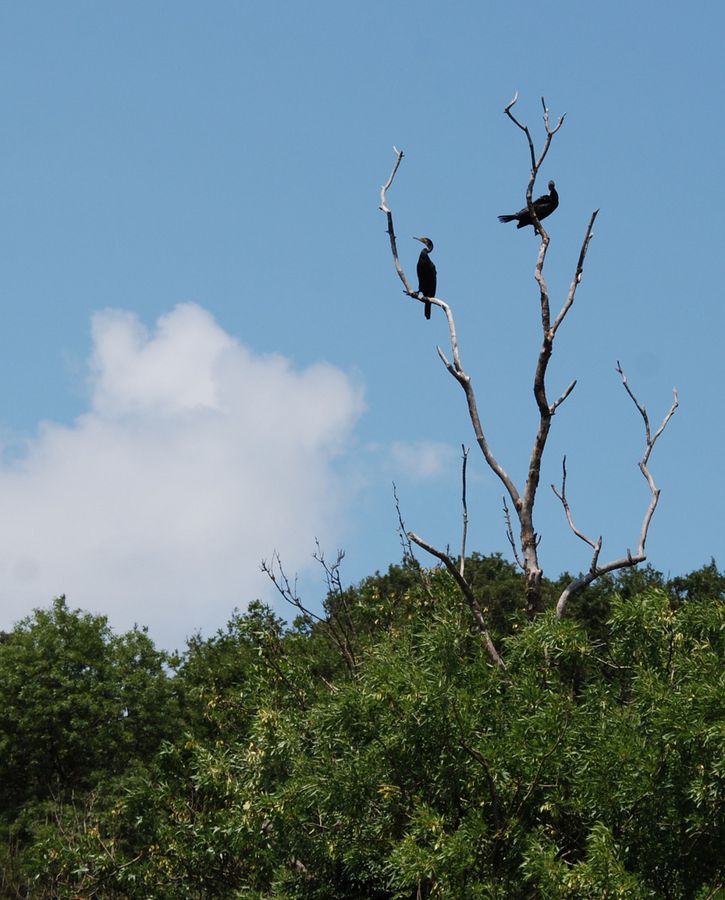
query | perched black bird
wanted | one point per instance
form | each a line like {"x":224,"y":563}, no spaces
{"x":426,"y":269}
{"x":544,"y":206}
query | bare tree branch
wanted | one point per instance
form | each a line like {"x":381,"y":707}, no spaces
{"x":456,"y":367}
{"x":595,"y":545}
{"x":335,"y":591}
{"x":535,"y":166}
{"x":650,"y":442}
{"x":577,"y":274}
{"x":510,"y":534}
{"x":408,"y":554}
{"x":402,"y":530}
{"x":391,"y":233}
{"x":286,"y":589}
{"x":645,"y":417}
{"x":464,"y":529}
{"x":457,"y":371}
{"x":467,"y":592}
{"x":332,"y":624}
{"x":595,"y":570}
{"x":563,"y":397}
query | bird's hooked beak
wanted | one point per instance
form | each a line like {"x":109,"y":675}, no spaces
{"x":422,"y":240}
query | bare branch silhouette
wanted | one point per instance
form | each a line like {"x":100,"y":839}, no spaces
{"x":510,"y":534}
{"x":464,"y":529}
{"x":631,"y":559}
{"x":332,"y":624}
{"x":408,"y":554}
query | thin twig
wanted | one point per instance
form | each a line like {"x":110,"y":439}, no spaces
{"x":335,"y":590}
{"x":557,"y":403}
{"x":384,"y":189}
{"x":510,"y":534}
{"x":408,"y":554}
{"x":595,"y":545}
{"x":415,"y":295}
{"x":464,"y":530}
{"x":284,"y":587}
{"x":386,"y":209}
{"x":577,"y":274}
{"x":332,"y":624}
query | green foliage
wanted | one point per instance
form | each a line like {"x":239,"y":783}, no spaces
{"x":76,"y":700}
{"x":592,"y":767}
{"x":78,"y":706}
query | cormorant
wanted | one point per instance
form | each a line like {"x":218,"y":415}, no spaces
{"x":544,"y":206}
{"x":426,"y":273}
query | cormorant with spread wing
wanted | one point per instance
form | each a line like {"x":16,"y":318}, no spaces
{"x":543,"y":206}
{"x":426,"y":269}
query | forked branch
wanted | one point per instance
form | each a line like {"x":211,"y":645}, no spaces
{"x":536,"y":164}
{"x":550,"y":132}
{"x":631,"y":559}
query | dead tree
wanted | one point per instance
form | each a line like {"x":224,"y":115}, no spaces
{"x":523,"y":499}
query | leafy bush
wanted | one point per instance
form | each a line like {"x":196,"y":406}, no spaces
{"x":593,"y":766}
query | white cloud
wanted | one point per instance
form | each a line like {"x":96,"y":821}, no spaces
{"x":196,"y":459}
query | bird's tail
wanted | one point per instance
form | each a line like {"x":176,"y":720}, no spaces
{"x":506,"y":218}
{"x":428,"y":308}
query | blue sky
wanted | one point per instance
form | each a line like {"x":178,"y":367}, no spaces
{"x":189,"y":232}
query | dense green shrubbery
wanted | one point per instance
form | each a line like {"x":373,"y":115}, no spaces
{"x":594,"y":766}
